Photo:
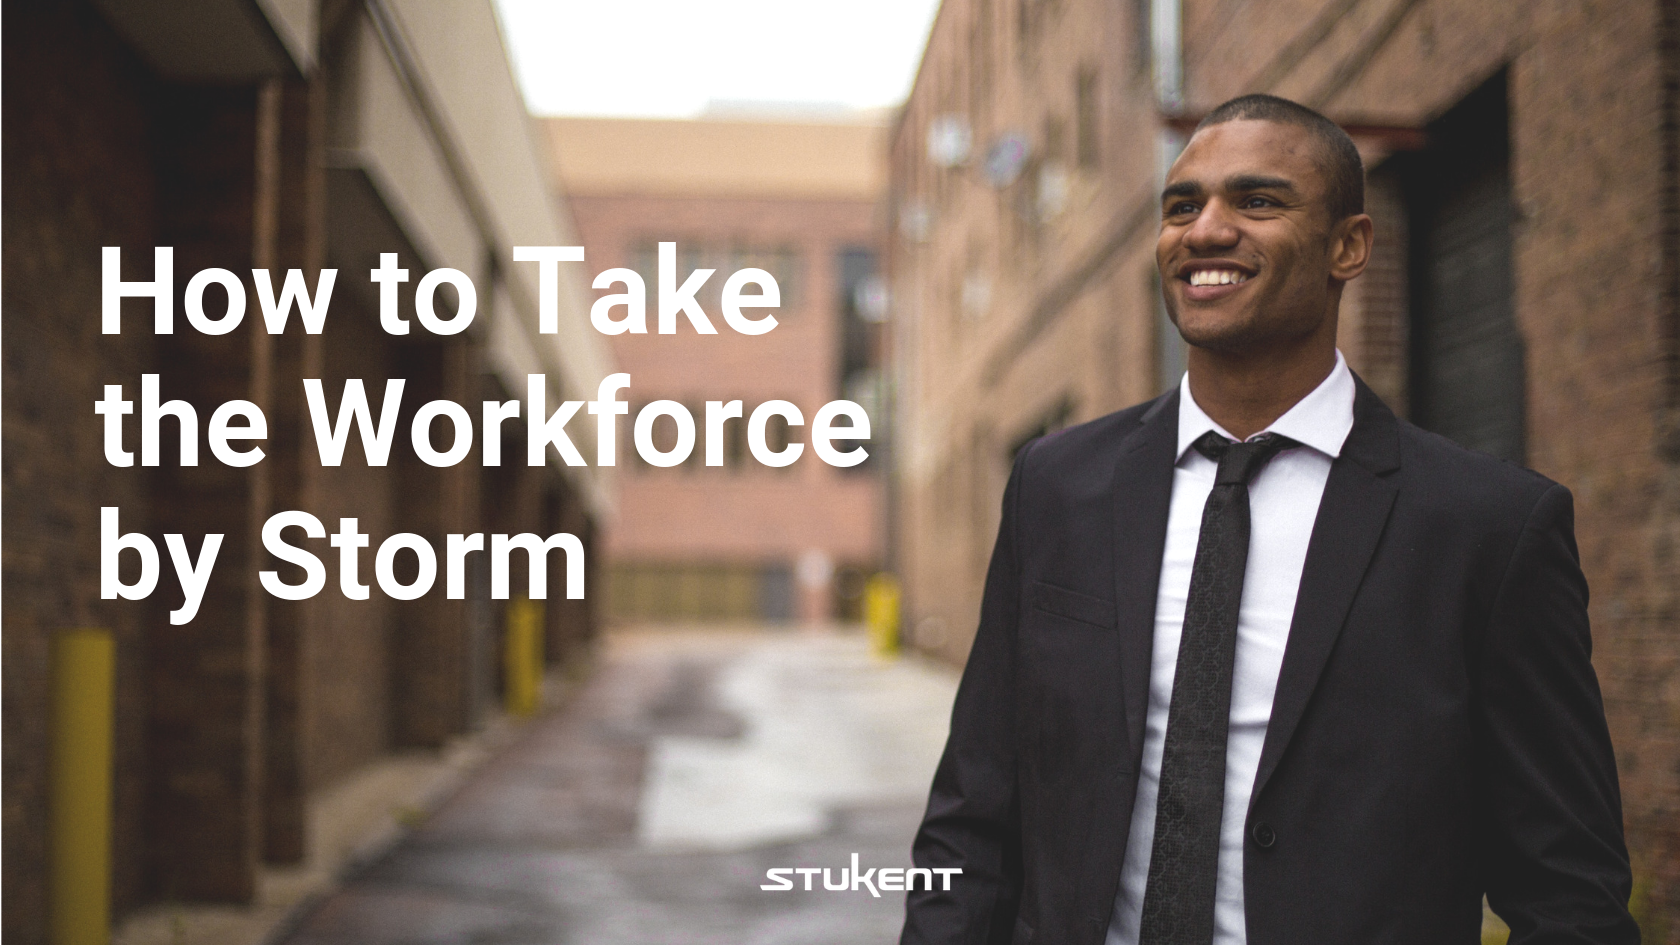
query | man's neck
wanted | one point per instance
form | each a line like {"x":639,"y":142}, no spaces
{"x":1245,"y":395}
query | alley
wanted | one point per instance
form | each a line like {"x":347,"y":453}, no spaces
{"x":649,"y":807}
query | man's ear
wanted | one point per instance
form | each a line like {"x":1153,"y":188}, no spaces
{"x":1350,"y":247}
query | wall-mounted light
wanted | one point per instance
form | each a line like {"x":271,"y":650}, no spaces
{"x":915,"y":220}
{"x":1053,"y":187}
{"x":1006,"y":158}
{"x":870,"y":297}
{"x":949,"y":141}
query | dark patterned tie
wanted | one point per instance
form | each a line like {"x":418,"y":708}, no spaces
{"x":1184,"y":861}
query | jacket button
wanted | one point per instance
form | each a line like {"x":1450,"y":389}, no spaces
{"x":1264,"y":835}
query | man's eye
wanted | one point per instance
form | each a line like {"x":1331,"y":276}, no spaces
{"x":1179,"y":209}
{"x":1255,"y":203}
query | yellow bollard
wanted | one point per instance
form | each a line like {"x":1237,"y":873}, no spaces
{"x":880,"y":611}
{"x":522,"y":657}
{"x":83,"y":687}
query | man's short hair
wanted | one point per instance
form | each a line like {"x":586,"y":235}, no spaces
{"x":1344,"y":172}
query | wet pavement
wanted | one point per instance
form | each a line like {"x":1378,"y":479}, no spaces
{"x":648,"y":809}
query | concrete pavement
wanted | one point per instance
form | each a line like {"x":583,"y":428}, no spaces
{"x":649,"y":808}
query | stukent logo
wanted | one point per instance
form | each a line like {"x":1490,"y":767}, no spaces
{"x":853,"y":878}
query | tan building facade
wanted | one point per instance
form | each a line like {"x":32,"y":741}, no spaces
{"x":799,"y":200}
{"x":1524,"y":299}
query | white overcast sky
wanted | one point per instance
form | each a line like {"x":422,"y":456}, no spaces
{"x":669,"y":58}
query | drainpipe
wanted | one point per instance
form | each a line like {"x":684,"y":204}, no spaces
{"x":1166,"y":44}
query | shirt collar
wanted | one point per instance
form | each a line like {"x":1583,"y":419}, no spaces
{"x":1321,"y":420}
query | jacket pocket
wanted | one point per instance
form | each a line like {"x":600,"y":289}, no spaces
{"x":1073,"y":605}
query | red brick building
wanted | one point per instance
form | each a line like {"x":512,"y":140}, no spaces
{"x":800,"y":200}
{"x":1524,"y":175}
{"x":286,"y":134}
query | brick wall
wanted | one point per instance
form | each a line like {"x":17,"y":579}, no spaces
{"x":750,"y":515}
{"x":76,"y":172}
{"x":427,"y":649}
{"x":227,"y":725}
{"x":1070,"y":314}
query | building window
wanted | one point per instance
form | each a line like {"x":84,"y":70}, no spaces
{"x":643,"y":257}
{"x":1143,"y":45}
{"x":696,"y":461}
{"x":735,"y":443}
{"x":698,"y":591}
{"x":1086,"y":126}
{"x":783,"y":262}
{"x":858,"y":370}
{"x":778,"y":435}
{"x":1053,"y":138}
{"x":627,"y":451}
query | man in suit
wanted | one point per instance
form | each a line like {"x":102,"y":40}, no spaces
{"x":1259,"y":662}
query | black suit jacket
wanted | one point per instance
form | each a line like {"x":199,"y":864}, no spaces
{"x":1437,"y":731}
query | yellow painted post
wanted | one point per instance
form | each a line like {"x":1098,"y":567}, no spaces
{"x":83,"y":703}
{"x":522,"y":656}
{"x":534,"y":650}
{"x":880,"y":609}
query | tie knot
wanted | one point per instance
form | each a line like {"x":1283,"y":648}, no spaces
{"x":1239,"y":462}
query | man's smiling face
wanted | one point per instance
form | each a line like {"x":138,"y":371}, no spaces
{"x":1247,"y":244}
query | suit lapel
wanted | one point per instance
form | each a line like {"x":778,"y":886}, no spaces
{"x":1351,"y":516}
{"x":1142,"y":495}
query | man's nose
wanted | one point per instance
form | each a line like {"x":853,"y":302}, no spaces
{"x":1213,"y":229}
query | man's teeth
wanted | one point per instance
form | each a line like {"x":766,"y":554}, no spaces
{"x":1216,"y":277}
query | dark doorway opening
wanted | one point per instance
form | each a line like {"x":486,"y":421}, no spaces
{"x":1468,"y":376}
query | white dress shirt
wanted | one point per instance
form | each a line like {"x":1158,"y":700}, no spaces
{"x":1283,"y":503}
